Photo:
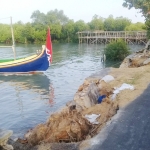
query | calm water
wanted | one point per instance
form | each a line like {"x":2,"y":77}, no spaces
{"x":27,"y":100}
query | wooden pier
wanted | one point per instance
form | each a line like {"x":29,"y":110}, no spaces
{"x":105,"y":37}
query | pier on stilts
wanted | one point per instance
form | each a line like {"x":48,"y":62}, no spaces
{"x":105,"y":37}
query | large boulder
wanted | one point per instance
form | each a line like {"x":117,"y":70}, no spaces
{"x":147,"y":61}
{"x":137,"y":59}
{"x":4,"y":136}
{"x":88,"y":98}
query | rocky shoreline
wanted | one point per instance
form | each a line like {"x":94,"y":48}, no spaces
{"x":69,"y":128}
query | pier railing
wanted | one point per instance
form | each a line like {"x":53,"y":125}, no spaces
{"x":130,"y":37}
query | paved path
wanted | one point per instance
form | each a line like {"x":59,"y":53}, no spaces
{"x":129,"y":129}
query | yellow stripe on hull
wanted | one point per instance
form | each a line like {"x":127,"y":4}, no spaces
{"x":21,"y":61}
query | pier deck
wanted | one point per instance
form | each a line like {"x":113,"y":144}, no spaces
{"x":104,"y":37}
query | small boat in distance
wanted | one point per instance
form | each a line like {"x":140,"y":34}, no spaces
{"x":36,"y":63}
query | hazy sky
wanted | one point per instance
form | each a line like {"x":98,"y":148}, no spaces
{"x":21,"y":10}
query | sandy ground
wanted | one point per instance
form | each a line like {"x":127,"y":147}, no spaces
{"x":138,"y":77}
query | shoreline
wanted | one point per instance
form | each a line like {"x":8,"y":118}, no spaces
{"x":133,"y":76}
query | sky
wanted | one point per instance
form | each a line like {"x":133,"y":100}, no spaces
{"x":21,"y":10}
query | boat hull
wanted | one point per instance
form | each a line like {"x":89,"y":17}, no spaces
{"x":39,"y":63}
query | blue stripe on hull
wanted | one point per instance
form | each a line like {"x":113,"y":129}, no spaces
{"x":41,"y":64}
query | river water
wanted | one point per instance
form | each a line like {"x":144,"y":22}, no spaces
{"x":28,"y":100}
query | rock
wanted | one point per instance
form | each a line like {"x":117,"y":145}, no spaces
{"x":147,"y":61}
{"x":135,"y":61}
{"x":67,"y":125}
{"x":93,"y":94}
{"x":147,"y":44}
{"x":73,"y":106}
{"x":138,"y":58}
{"x":76,"y":97}
{"x":80,"y":88}
{"x":70,"y":103}
{"x":86,"y":83}
{"x":105,"y":88}
{"x":89,"y":98}
{"x":140,"y":51}
{"x":90,"y":80}
{"x":19,"y":146}
{"x":4,"y":136}
{"x":44,"y":146}
{"x":107,"y":78}
{"x":127,"y":61}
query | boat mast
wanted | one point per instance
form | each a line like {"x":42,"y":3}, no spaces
{"x":13,"y":40}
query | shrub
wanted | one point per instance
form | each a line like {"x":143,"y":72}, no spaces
{"x":116,"y":50}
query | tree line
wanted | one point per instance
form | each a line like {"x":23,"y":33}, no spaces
{"x":62,"y":28}
{"x":144,"y":7}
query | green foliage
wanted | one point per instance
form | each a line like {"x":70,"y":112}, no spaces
{"x":147,"y":24}
{"x":121,"y":23}
{"x":5,"y":33}
{"x":62,"y":28}
{"x":56,"y":30}
{"x":68,"y":31}
{"x":38,"y":17}
{"x":80,"y":26}
{"x":54,"y":17}
{"x":39,"y":36}
{"x":142,"y":5}
{"x":97,"y":23}
{"x":109,"y":24}
{"x":116,"y":50}
{"x":117,"y":24}
{"x":136,"y":27}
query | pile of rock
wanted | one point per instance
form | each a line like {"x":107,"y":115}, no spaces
{"x":70,"y":123}
{"x":137,"y":59}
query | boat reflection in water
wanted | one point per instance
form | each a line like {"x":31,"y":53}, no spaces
{"x":26,"y":100}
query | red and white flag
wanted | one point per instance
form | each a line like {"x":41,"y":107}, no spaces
{"x":49,"y":46}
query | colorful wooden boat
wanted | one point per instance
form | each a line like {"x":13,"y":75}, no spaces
{"x":36,"y":63}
